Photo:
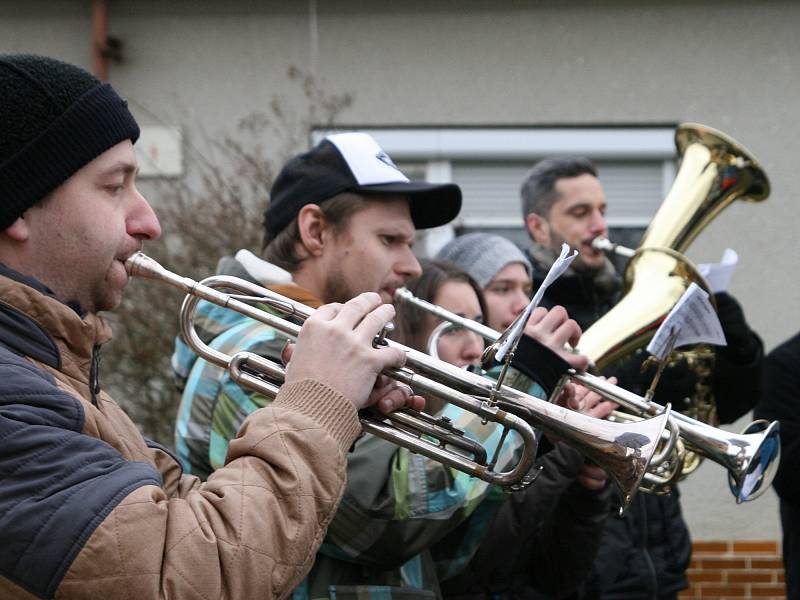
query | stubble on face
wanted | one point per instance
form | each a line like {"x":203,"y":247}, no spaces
{"x":371,"y":253}
{"x":80,"y":235}
{"x":337,"y":286}
{"x":577,"y":217}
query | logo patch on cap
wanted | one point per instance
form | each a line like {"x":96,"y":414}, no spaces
{"x":384,"y":158}
{"x":368,"y":162}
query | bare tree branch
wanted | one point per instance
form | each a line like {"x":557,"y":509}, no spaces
{"x":213,"y":211}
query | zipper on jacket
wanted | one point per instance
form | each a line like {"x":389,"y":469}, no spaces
{"x":94,"y":375}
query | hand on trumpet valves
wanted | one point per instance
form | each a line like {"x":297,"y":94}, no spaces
{"x":554,"y":329}
{"x":585,"y":401}
{"x":335,"y":348}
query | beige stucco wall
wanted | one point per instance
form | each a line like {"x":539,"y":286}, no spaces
{"x":732,"y":65}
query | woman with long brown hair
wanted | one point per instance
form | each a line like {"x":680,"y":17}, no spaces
{"x":448,"y":286}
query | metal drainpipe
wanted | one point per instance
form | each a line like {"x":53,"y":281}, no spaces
{"x":100,"y":39}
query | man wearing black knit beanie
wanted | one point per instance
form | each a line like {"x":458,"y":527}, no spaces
{"x":88,"y":507}
{"x":58,"y":120}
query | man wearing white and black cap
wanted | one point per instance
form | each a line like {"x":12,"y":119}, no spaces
{"x":341,"y":221}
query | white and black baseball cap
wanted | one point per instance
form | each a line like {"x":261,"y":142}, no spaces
{"x":353,"y":162}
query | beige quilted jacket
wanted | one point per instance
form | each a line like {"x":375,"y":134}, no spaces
{"x":99,"y":513}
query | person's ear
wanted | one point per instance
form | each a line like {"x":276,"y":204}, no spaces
{"x":18,"y":230}
{"x":312,"y":226}
{"x":538,"y":228}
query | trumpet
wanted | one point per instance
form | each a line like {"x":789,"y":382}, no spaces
{"x":623,"y":451}
{"x":750,"y":458}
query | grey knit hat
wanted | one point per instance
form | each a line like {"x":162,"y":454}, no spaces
{"x":482,"y":255}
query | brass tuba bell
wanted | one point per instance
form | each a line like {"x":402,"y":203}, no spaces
{"x":714,"y":171}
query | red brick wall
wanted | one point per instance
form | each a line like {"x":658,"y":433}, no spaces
{"x":735,"y":569}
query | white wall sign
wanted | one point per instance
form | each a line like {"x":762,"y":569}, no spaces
{"x":159,"y":151}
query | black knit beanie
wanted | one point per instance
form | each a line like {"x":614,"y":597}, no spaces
{"x":54,"y":119}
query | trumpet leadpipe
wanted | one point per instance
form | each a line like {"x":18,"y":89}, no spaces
{"x":482,"y":330}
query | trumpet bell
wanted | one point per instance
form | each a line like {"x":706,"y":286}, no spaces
{"x":756,"y":463}
{"x":626,"y":457}
{"x":624,"y":452}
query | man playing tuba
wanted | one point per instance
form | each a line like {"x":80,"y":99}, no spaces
{"x":646,"y":552}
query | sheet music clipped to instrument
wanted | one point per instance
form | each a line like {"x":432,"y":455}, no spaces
{"x":692,"y":320}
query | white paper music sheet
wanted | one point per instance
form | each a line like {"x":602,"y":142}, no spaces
{"x":560,"y":265}
{"x":692,"y":320}
{"x":718,"y":275}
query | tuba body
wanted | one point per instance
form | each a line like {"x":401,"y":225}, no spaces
{"x":714,"y":171}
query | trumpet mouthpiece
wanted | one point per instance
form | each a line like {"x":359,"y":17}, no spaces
{"x":133,"y":263}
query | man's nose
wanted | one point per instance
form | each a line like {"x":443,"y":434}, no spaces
{"x":599,"y":223}
{"x":142,"y":221}
{"x":408,"y":266}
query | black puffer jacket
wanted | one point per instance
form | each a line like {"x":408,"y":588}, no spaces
{"x":542,"y":539}
{"x":645,"y":553}
{"x":781,"y":400}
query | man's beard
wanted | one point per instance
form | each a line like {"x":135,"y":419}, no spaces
{"x":555,"y":242}
{"x":337,"y":289}
{"x":578,"y":264}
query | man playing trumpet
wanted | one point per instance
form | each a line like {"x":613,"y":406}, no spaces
{"x":342,"y":220}
{"x":89,"y":507}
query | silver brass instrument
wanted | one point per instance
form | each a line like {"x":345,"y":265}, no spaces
{"x":751,"y":458}
{"x":609,"y":247}
{"x":623,"y":451}
{"x":449,"y":320}
{"x":714,"y":171}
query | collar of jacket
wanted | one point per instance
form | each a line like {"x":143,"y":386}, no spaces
{"x":279,"y":283}
{"x":36,"y":324}
{"x":575,"y":286}
{"x":295,"y":292}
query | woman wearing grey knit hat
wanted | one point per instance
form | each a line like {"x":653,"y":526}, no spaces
{"x":499,"y":267}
